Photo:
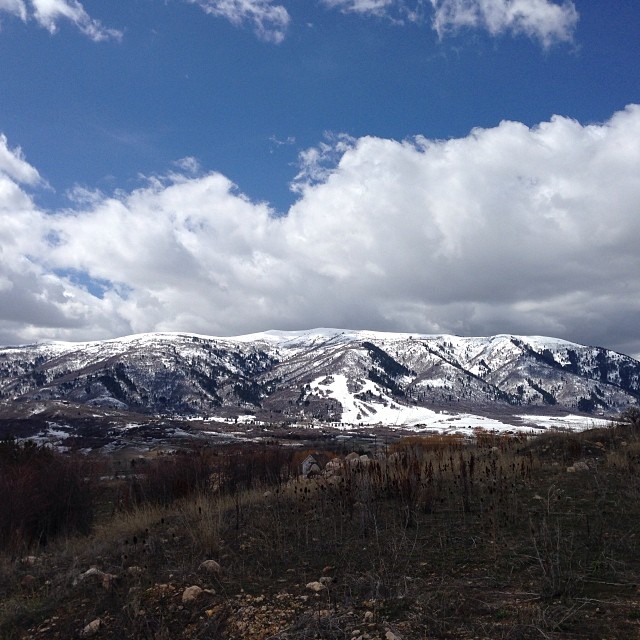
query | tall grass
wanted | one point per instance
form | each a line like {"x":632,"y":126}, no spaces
{"x":443,"y":531}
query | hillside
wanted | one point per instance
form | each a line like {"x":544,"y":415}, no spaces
{"x":432,"y":537}
{"x":353,"y":377}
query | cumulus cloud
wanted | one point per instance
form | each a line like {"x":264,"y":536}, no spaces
{"x":269,"y":20}
{"x":315,"y":164}
{"x":34,"y":301}
{"x":48,"y":13}
{"x":509,"y":229}
{"x":543,"y":20}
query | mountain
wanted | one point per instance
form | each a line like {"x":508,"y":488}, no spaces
{"x":358,"y":377}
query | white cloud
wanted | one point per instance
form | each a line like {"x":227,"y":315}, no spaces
{"x":509,"y":229}
{"x":34,"y":301}
{"x":189,"y":165}
{"x":48,"y":14}
{"x":15,"y":7}
{"x":13,"y":164}
{"x":269,"y":20}
{"x":375,"y":7}
{"x":543,"y":20}
{"x":397,"y":11}
{"x":317,"y":163}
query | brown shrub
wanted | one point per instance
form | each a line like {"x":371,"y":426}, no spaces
{"x":168,"y":478}
{"x":42,"y":494}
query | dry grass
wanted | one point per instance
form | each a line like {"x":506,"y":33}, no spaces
{"x":444,"y":538}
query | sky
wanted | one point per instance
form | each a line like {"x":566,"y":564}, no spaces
{"x":231,"y":166}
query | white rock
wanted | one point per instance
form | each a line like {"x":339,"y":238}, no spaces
{"x":316,"y":586}
{"x":190,"y":594}
{"x":92,"y":628}
{"x":93,"y":571}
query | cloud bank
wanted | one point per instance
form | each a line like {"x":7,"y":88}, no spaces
{"x":509,"y":229}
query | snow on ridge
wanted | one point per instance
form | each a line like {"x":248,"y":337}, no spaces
{"x":296,"y":339}
{"x":63,"y":346}
{"x":316,"y":336}
{"x":284,"y":338}
{"x":546,"y":341}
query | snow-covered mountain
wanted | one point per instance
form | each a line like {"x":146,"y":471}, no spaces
{"x":328,"y":374}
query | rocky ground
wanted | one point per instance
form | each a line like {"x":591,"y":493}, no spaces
{"x":506,"y":538}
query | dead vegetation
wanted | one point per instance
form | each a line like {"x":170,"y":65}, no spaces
{"x":434,"y":537}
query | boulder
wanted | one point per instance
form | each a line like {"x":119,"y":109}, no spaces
{"x":106,"y":579}
{"x":92,"y":628}
{"x":191,"y":594}
{"x":578,"y":466}
{"x":211,"y":566}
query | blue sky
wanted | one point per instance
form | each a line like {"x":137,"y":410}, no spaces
{"x":363,"y":163}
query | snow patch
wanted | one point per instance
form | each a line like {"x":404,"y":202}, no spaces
{"x":570,"y":422}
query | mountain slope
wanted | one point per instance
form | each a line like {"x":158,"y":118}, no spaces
{"x":328,"y":374}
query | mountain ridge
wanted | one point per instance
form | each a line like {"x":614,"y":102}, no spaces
{"x":331,"y":375}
